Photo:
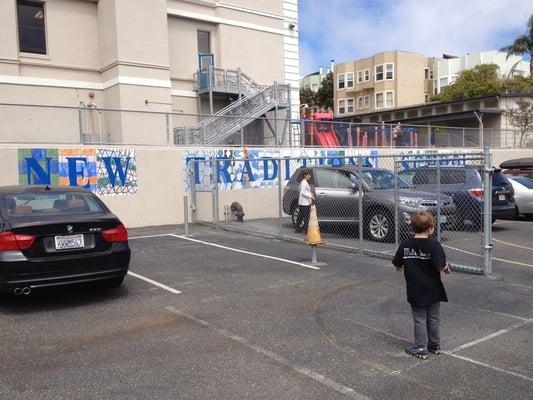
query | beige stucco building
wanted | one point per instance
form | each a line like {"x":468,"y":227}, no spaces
{"x":140,"y":55}
{"x":386,"y":80}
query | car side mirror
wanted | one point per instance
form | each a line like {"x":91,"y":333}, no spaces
{"x":354,"y":187}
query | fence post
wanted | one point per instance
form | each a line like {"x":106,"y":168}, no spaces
{"x":463,"y":137}
{"x":186,"y":214}
{"x":280,"y":201}
{"x":214,"y":179}
{"x":396,"y":202}
{"x":391,"y":138}
{"x":487,"y":211}
{"x":438,"y":197}
{"x":192,"y":184}
{"x":80,"y":124}
{"x":360,"y":204}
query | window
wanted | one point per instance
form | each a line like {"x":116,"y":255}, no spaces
{"x":389,"y":99}
{"x":426,"y":73}
{"x":426,"y":97}
{"x":367,"y":101}
{"x":333,"y":179}
{"x":379,"y":100}
{"x":314,"y":87}
{"x":349,"y":79}
{"x":342,"y":108}
{"x":340,"y":81}
{"x":204,"y":42}
{"x":360,"y":102}
{"x":367,"y":75}
{"x":350,"y":105}
{"x":31,"y":26}
{"x":379,"y":73}
{"x":359,"y":76}
{"x":389,"y":71}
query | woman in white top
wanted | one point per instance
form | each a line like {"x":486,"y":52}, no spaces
{"x":305,"y":200}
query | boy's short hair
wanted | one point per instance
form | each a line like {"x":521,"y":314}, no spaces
{"x":421,"y":221}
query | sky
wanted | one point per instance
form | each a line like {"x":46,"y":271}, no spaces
{"x":347,"y":30}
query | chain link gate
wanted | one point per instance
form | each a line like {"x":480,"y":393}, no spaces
{"x":364,"y":202}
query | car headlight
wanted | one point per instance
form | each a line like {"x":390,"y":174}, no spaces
{"x":410,"y":201}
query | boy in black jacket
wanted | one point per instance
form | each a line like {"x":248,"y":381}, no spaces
{"x":421,"y":258}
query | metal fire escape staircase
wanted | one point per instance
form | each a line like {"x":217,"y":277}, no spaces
{"x":253,"y":101}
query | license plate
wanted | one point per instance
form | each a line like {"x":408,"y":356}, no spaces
{"x":69,"y":242}
{"x":501,"y":197}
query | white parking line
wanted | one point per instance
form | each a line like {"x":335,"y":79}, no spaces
{"x":229,"y":248}
{"x":527,"y":378}
{"x":512,"y":244}
{"x":494,"y":258}
{"x":155,"y":283}
{"x":244,"y":251}
{"x":492,"y":335}
{"x":274,"y":356}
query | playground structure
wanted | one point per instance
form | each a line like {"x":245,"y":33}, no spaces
{"x":320,"y":130}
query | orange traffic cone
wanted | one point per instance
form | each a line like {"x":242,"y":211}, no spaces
{"x":313,"y":230}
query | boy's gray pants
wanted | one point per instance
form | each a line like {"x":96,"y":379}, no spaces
{"x":427,"y":321}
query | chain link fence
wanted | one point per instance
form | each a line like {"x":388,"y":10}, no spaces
{"x":364,"y":203}
{"x":86,"y":124}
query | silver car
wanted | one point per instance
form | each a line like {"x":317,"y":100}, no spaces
{"x":337,"y":199}
{"x":523,"y":194}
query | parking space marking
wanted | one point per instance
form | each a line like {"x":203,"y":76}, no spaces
{"x":511,"y":244}
{"x":274,"y":356}
{"x":244,"y":251}
{"x":148,"y":236}
{"x":494,"y":258}
{"x":155,"y":283}
{"x":491,"y":336}
{"x":470,"y":360}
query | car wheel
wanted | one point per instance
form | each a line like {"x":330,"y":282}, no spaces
{"x":379,"y":226}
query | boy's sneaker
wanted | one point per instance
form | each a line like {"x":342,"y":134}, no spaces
{"x":418,"y":352}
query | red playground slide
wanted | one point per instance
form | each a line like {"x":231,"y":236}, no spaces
{"x":319,"y":131}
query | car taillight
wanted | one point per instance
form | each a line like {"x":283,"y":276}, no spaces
{"x":11,"y":241}
{"x":118,"y":234}
{"x":476,"y":192}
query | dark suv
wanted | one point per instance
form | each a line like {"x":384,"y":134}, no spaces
{"x":337,"y":199}
{"x":465,"y":186}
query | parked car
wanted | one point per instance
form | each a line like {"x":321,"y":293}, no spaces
{"x":337,"y":199}
{"x":56,"y":235}
{"x":523,"y":194}
{"x":518,"y":167}
{"x":465,"y":185}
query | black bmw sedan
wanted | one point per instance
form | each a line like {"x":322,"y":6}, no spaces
{"x":58,"y":235}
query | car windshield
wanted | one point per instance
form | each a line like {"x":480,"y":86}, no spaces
{"x":524,"y":181}
{"x":383,"y":179}
{"x":37,"y":204}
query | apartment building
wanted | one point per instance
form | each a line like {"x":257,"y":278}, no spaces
{"x":142,"y":55}
{"x":386,"y":80}
{"x":447,"y":69}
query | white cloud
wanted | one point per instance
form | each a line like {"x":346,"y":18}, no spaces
{"x":352,"y":29}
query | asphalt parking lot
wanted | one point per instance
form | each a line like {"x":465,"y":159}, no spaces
{"x":221,"y":315}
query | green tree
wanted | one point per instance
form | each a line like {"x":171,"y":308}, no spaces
{"x":519,"y":84}
{"x":324,"y":96}
{"x":307,"y":96}
{"x":521,"y":118}
{"x":482,"y":80}
{"x":523,"y":44}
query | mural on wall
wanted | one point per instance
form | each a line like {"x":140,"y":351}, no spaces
{"x":116,"y":171}
{"x":259,"y":168}
{"x":103,"y":171}
{"x":77,"y":167}
{"x":38,"y":166}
